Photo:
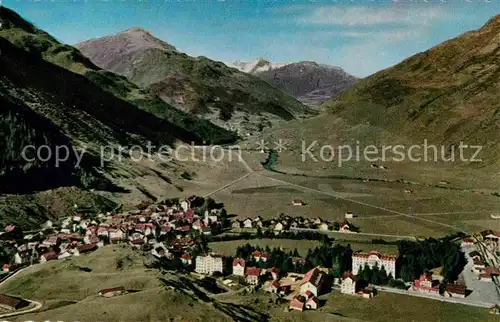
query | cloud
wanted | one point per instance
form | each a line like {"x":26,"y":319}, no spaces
{"x":382,"y":35}
{"x":369,"y":16}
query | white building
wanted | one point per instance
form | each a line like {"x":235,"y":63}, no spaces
{"x":372,"y":258}
{"x":208,"y":264}
{"x":348,"y":285}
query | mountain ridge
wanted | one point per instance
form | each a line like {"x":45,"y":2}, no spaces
{"x":196,"y":85}
{"x":308,"y":81}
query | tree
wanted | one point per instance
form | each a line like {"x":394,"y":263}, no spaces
{"x":384,"y":279}
{"x":375,"y":278}
{"x":259,"y":234}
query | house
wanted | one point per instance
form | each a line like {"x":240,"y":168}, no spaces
{"x":186,"y":259}
{"x":367,"y":293}
{"x":323,"y":227}
{"x":278,"y":227}
{"x":239,"y":267}
{"x":371,"y":258}
{"x":425,"y":284}
{"x":317,"y":221}
{"x":248,"y":223}
{"x":48,"y":256}
{"x":274,"y":287}
{"x":165,"y":229}
{"x":495,"y":309}
{"x":468,"y":242}
{"x":252,"y":275}
{"x":312,"y":281}
{"x":208,"y":264}
{"x":344,"y":227}
{"x":274,"y":273}
{"x":478,"y":263}
{"x":349,"y":215}
{"x":86,"y":248}
{"x":408,"y":191}
{"x":348,"y":285}
{"x":185,"y":205}
{"x":109,"y":292}
{"x":237,"y":224}
{"x":312,"y":302}
{"x":115,"y":235}
{"x":297,"y":303}
{"x":11,"y":303}
{"x":6,"y":268}
{"x":260,"y":256}
{"x":455,"y":290}
{"x":51,"y":240}
{"x":297,"y":202}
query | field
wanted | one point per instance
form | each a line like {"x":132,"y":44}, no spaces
{"x":376,"y":196}
{"x":383,"y":307}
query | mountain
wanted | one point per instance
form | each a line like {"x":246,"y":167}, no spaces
{"x":142,"y":103}
{"x":198,"y":85}
{"x":445,"y":95}
{"x":448,"y":93}
{"x":309,"y":82}
{"x":52,"y":96}
{"x":256,"y":66}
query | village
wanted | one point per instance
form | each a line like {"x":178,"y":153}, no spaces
{"x":176,"y":232}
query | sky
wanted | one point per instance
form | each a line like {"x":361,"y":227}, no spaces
{"x":361,"y":36}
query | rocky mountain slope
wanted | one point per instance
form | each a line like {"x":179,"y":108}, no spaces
{"x":198,"y":85}
{"x":53,"y":96}
{"x":309,"y":82}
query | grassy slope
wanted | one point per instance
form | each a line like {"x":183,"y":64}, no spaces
{"x":447,"y":94}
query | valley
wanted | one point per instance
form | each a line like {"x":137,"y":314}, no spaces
{"x":191,"y":193}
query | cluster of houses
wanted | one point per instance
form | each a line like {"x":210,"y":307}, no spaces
{"x":483,"y":272}
{"x":300,"y":289}
{"x":492,"y":240}
{"x":429,"y":283}
{"x":146,"y":229}
{"x":286,"y":223}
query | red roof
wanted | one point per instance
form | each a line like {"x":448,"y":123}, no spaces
{"x":275,"y":284}
{"x":184,"y":228}
{"x":314,"y":276}
{"x":114,"y":289}
{"x":297,"y":304}
{"x":186,"y":257}
{"x":264,"y":255}
{"x":309,"y":294}
{"x":297,"y":201}
{"x":137,"y":241}
{"x":239,"y":261}
{"x":86,"y":248}
{"x":350,"y":275}
{"x":9,"y":228}
{"x":253,"y":271}
{"x":49,"y":256}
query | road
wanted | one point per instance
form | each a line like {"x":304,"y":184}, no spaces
{"x":351,"y":234}
{"x":331,"y":194}
{"x":35,"y":304}
{"x":363,"y":203}
{"x":482,"y":291}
